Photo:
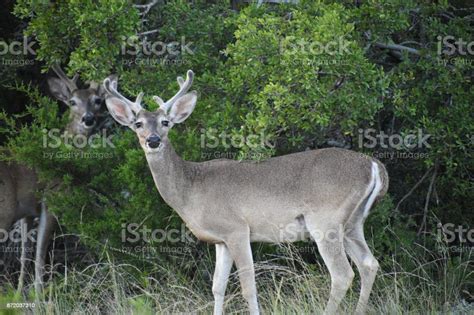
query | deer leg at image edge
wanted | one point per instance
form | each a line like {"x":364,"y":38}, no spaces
{"x":25,"y":226}
{"x":46,"y":228}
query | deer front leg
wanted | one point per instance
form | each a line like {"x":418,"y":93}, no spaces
{"x":221,"y":276}
{"x":25,"y":226}
{"x":241,"y":252}
{"x":45,"y":230}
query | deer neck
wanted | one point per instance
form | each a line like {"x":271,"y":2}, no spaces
{"x":171,"y":177}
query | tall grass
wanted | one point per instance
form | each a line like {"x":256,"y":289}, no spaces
{"x":438,"y":283}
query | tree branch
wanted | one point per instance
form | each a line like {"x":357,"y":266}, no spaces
{"x":413,"y":188}
{"x":260,"y":2}
{"x":148,"y":32}
{"x":427,"y":201}
{"x":398,"y":48}
{"x":146,"y":7}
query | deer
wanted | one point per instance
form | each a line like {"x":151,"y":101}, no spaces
{"x":19,"y":183}
{"x":287,"y":198}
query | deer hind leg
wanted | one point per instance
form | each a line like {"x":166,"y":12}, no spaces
{"x":45,"y":231}
{"x":331,"y":247}
{"x":241,"y":252}
{"x":25,"y":225}
{"x":221,"y":276}
{"x":356,"y":246}
{"x":367,"y":265}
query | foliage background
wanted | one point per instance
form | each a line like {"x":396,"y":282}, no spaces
{"x":253,"y":78}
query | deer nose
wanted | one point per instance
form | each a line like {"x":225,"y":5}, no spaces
{"x":153,"y":141}
{"x":88,"y":119}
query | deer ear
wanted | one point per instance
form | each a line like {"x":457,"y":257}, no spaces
{"x":59,"y":90}
{"x":183,"y":107}
{"x":120,"y":111}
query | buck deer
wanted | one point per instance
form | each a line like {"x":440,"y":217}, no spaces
{"x":283,"y":199}
{"x":19,"y":184}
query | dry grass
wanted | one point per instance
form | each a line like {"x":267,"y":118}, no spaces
{"x":439,"y":284}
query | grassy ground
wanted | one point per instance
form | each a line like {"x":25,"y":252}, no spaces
{"x":437,"y":284}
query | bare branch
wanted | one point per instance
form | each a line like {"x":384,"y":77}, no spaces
{"x":413,"y":189}
{"x":260,"y":2}
{"x":428,"y":197}
{"x":148,"y":32}
{"x":398,"y":48}
{"x":146,"y":7}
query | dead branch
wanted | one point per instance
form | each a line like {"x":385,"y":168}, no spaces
{"x":427,"y":201}
{"x":413,"y":188}
{"x":148,"y":32}
{"x":146,"y":7}
{"x":397,"y":47}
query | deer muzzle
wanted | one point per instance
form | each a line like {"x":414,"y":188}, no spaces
{"x":153,"y":141}
{"x":88,"y":119}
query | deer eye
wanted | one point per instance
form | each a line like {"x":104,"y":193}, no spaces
{"x":72,"y":102}
{"x":138,"y":124}
{"x":165,"y":123}
{"x":98,"y":101}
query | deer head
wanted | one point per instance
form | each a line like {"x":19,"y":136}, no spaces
{"x":152,"y":127}
{"x":85,"y":104}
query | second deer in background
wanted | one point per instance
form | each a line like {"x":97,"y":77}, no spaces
{"x":19,"y":184}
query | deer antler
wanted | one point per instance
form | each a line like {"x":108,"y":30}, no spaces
{"x":70,"y":83}
{"x":111,"y":88}
{"x":183,"y":88}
